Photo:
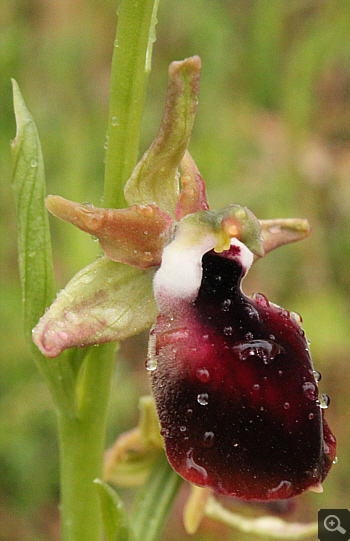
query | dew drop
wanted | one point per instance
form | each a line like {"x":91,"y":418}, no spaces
{"x":86,"y":279}
{"x":192,"y":465}
{"x":266,"y":350}
{"x":256,"y":387}
{"x":202,"y":399}
{"x":151,"y":364}
{"x":324,"y":401}
{"x":147,"y":256}
{"x":317,"y":376}
{"x":189,"y":412}
{"x":296,"y":317}
{"x":309,"y":390}
{"x":311,"y":416}
{"x":208,"y":439}
{"x":226,"y":303}
{"x":183,"y":429}
{"x":33,"y":163}
{"x":190,"y":191}
{"x":335,"y":461}
{"x":286,"y":405}
{"x":116,"y":44}
{"x":261,"y":300}
{"x":114,"y":121}
{"x":203,"y":375}
{"x":228,"y":331}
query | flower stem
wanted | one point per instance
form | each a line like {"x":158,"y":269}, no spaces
{"x":130,"y":67}
{"x":82,"y":441}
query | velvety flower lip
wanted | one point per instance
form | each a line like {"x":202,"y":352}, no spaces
{"x":234,"y":384}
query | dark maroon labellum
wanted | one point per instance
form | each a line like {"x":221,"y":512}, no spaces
{"x":236,"y":392}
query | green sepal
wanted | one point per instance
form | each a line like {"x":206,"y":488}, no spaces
{"x":155,"y":178}
{"x":114,"y":516}
{"x":104,"y":302}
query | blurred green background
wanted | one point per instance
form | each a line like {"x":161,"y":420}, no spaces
{"x":272,"y":132}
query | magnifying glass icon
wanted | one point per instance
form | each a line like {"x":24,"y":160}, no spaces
{"x":332,"y":524}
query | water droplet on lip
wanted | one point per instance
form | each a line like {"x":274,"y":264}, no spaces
{"x":226,"y":303}
{"x":151,"y":364}
{"x":228,"y":331}
{"x":317,"y":376}
{"x":324,"y":401}
{"x":202,"y":399}
{"x":309,"y":390}
{"x":266,"y":350}
{"x":203,"y":375}
{"x":296,"y":317}
{"x":191,"y":464}
{"x":261,"y":300}
{"x":208,"y":439}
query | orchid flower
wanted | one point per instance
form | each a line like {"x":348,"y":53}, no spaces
{"x":233,"y":381}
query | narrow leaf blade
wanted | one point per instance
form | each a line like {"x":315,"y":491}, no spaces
{"x":34,"y":250}
{"x":114,"y":516}
{"x":34,"y":246}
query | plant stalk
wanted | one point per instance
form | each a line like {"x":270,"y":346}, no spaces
{"x":131,"y":65}
{"x":82,"y":444}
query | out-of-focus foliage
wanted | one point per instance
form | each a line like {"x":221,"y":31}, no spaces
{"x":272,"y":132}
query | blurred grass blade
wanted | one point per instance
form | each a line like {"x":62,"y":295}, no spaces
{"x":34,"y":248}
{"x":154,"y":501}
{"x":114,"y":516}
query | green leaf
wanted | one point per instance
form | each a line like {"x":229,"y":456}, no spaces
{"x":114,"y":516}
{"x":34,"y":246}
{"x":34,"y":249}
{"x":154,"y":501}
{"x":105,"y":302}
{"x":155,"y":178}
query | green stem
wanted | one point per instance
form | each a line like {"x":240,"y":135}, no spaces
{"x":130,"y":67}
{"x":82,"y":443}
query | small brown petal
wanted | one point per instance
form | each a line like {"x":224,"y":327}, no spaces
{"x":135,"y":235}
{"x":275,"y":233}
{"x":193,"y":197}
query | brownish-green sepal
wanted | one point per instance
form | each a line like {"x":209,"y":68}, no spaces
{"x":193,"y":197}
{"x":135,"y":235}
{"x":155,"y":178}
{"x":104,"y":302}
{"x":275,"y":233}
